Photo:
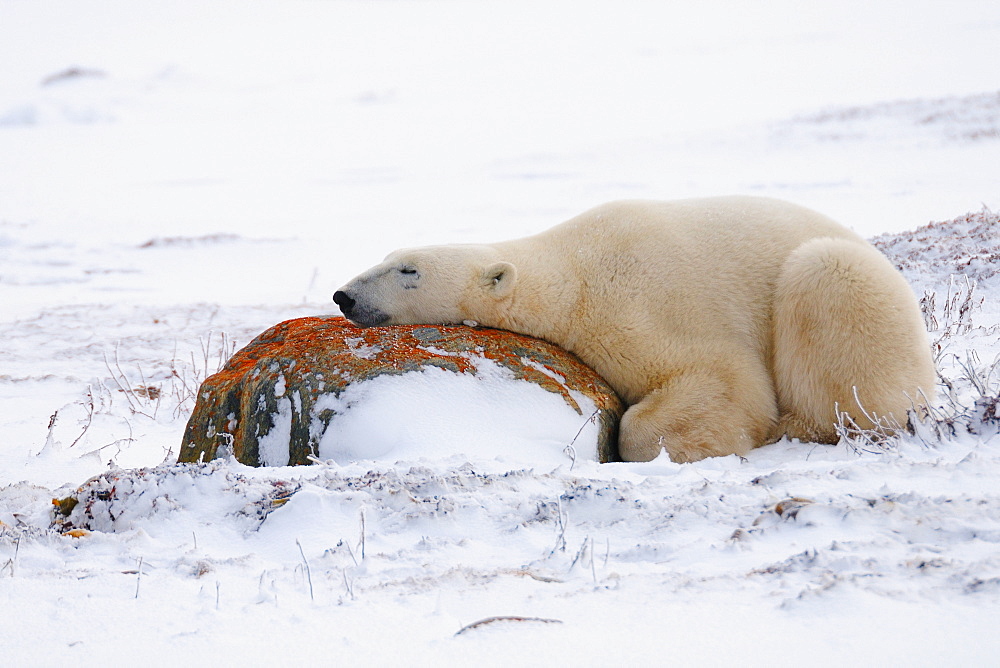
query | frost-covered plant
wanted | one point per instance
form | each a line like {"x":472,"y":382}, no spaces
{"x":955,"y":315}
{"x":186,"y":376}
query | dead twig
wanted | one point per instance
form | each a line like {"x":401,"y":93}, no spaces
{"x":512,"y":618}
{"x":570,"y":450}
{"x":308,"y":572}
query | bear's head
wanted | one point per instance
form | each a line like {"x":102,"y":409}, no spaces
{"x":436,"y":285}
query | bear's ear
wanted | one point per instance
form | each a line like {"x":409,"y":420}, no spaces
{"x":499,"y":278}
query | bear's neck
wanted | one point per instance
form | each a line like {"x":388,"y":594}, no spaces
{"x":545,"y":299}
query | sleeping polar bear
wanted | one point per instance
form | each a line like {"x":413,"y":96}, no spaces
{"x":724,"y":323}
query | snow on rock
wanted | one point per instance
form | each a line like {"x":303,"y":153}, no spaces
{"x":321,"y":387}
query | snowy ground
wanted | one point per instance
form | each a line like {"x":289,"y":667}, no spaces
{"x":175,"y":178}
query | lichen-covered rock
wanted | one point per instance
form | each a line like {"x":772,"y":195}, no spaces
{"x":269,"y":405}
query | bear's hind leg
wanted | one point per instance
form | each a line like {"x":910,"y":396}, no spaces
{"x":700,"y":413}
{"x":847,"y":328}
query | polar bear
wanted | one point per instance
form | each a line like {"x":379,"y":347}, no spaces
{"x":724,"y":323}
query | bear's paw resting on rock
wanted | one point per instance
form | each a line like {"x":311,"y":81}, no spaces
{"x":725,"y":323}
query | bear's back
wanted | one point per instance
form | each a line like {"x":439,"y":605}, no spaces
{"x":701,"y":244}
{"x":705,"y":223}
{"x":685,"y":266}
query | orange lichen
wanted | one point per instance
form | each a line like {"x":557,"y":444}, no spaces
{"x":76,"y":533}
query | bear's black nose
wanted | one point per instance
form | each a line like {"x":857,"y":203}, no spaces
{"x":345,"y":303}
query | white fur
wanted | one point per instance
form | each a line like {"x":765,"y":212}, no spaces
{"x":725,"y":322}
